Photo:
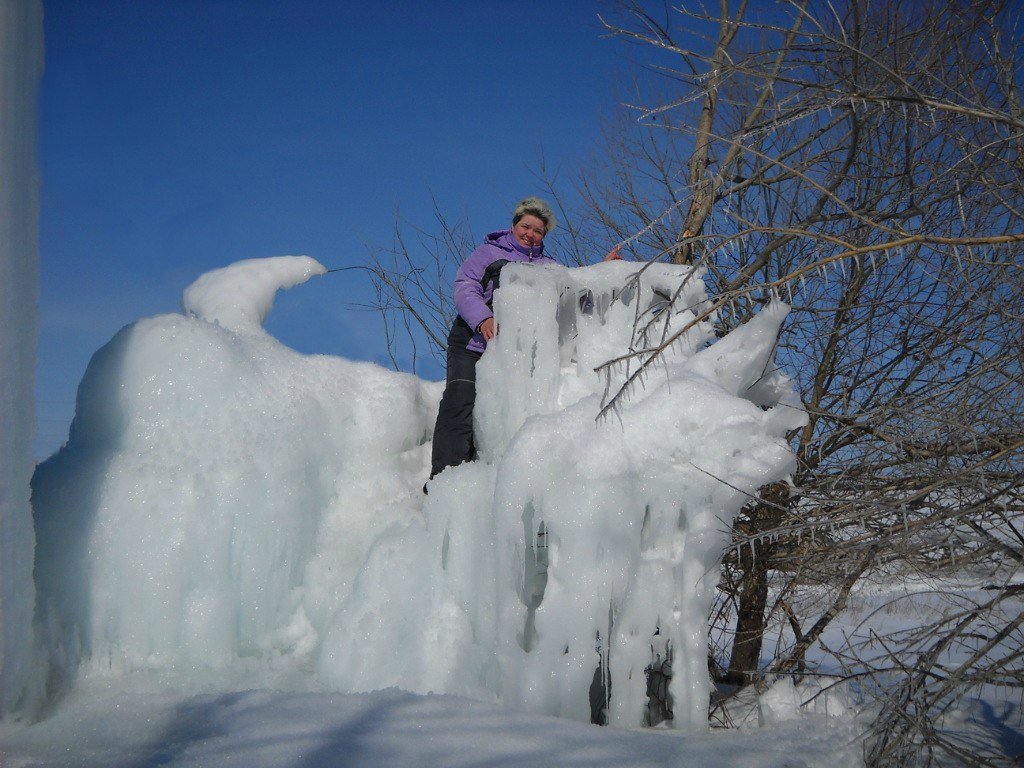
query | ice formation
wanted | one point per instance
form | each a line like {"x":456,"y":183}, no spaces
{"x":240,"y":297}
{"x":211,"y":478}
{"x":577,"y":540}
{"x":21,"y":63}
{"x":225,"y":504}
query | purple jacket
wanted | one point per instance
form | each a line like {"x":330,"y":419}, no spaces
{"x":472,"y":298}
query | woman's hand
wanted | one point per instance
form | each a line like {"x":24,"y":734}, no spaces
{"x":615,"y":254}
{"x":487,"y":329}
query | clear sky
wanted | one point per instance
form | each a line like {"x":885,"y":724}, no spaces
{"x":177,"y":136}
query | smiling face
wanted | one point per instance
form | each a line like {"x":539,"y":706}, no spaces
{"x":529,"y":230}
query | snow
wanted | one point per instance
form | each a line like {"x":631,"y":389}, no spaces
{"x":142,"y":728}
{"x":785,"y":700}
{"x":234,"y":551}
{"x":218,"y":491}
{"x":21,"y":59}
{"x":854,"y":675}
{"x":239,"y":297}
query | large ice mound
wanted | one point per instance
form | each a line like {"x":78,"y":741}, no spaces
{"x":219,"y":491}
{"x":225,"y":504}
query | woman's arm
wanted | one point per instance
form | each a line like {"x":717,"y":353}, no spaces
{"x":469,"y":294}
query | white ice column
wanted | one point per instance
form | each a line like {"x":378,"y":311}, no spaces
{"x":21,"y":63}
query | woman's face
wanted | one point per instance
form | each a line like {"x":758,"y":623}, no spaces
{"x":529,"y":230}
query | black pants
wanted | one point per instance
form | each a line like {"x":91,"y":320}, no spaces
{"x":453,"y":434}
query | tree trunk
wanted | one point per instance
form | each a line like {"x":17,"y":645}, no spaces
{"x":745,"y":660}
{"x":754,"y":558}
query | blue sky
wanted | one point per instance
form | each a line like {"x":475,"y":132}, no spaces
{"x":177,"y":137}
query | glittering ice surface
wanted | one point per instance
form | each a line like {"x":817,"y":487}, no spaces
{"x":239,"y":297}
{"x":575,"y":532}
{"x":228,"y":509}
{"x":219,"y":491}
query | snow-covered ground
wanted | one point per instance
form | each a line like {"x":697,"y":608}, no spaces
{"x":154,"y":722}
{"x":117,"y":728}
{"x":989,"y":721}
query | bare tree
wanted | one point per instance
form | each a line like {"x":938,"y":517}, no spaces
{"x":412,"y":281}
{"x":863,"y":161}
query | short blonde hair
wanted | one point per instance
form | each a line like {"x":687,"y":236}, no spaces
{"x":534,"y":206}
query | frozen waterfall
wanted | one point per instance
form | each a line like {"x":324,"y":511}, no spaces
{"x":228,"y":510}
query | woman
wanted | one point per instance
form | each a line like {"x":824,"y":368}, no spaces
{"x":474,"y":326}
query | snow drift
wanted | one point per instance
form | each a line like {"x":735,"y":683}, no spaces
{"x":226,"y":507}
